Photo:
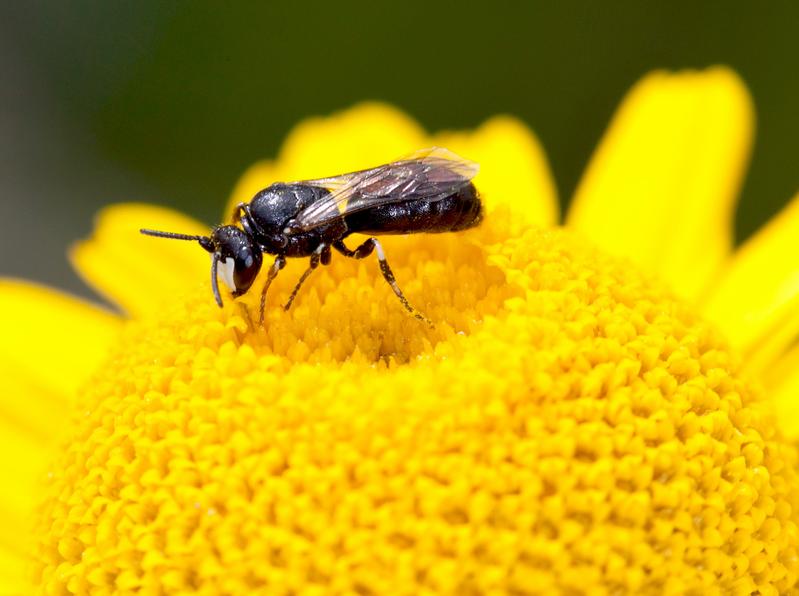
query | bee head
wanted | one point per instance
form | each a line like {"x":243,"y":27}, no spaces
{"x":238,"y":257}
{"x":234,"y":256}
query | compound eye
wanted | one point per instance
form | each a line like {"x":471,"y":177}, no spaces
{"x":246,"y":267}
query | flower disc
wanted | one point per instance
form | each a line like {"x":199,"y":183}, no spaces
{"x":567,"y":425}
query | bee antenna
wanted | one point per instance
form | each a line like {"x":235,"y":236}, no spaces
{"x":173,"y":235}
{"x":205,"y":241}
{"x":214,"y":280}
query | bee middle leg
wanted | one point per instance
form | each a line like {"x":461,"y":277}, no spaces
{"x":280,"y":262}
{"x":363,"y":251}
{"x":320,"y":255}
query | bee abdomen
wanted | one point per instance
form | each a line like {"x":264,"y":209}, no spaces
{"x":459,"y":211}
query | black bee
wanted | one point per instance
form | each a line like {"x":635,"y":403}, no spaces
{"x":429,"y":191}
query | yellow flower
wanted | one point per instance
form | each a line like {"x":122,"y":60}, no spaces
{"x":572,"y":422}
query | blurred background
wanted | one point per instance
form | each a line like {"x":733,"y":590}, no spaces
{"x":168,"y":102}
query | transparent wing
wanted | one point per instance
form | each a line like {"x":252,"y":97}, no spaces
{"x":431,"y":174}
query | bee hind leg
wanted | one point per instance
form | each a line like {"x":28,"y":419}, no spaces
{"x":363,"y":251}
{"x":321,"y":254}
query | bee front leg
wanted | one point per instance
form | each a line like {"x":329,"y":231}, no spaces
{"x":280,"y":262}
{"x":321,"y":254}
{"x":363,"y":251}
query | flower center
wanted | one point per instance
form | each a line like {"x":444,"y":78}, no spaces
{"x":566,"y":425}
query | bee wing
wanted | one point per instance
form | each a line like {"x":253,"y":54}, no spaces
{"x":432,"y":174}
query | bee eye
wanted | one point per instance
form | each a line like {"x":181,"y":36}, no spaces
{"x":247,"y":266}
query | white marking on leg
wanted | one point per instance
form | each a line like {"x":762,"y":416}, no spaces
{"x":379,"y":248}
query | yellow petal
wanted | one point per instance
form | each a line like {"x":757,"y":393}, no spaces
{"x":23,"y":461}
{"x":661,"y":187}
{"x":13,"y":579}
{"x":756,"y":299}
{"x":140,"y":273}
{"x":51,"y":345}
{"x":782,"y":381}
{"x":50,"y":340}
{"x":31,"y":422}
{"x":365,"y":135}
{"x":514,"y":172}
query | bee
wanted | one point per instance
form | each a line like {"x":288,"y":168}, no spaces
{"x":428,"y":191}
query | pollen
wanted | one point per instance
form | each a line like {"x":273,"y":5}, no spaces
{"x":566,"y":426}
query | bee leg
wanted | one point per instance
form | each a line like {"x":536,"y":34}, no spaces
{"x":240,"y":208}
{"x":364,"y":250}
{"x":246,"y":312}
{"x":321,"y":254}
{"x":280,"y":262}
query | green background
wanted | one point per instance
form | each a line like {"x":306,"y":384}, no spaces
{"x":167,"y":102}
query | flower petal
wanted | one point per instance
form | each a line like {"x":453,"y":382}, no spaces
{"x":514,"y":171}
{"x":23,"y":460}
{"x":13,"y":579}
{"x":51,"y":340}
{"x":661,"y":187}
{"x":139,"y":273}
{"x":782,"y":382}
{"x":51,"y":344}
{"x":365,"y":135}
{"x":756,"y":299}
